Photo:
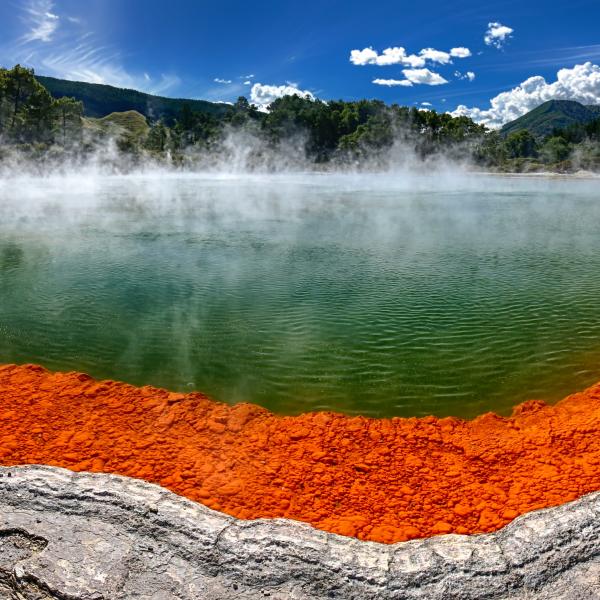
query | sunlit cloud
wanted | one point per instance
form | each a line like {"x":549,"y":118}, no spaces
{"x":581,"y":83}
{"x":469,"y":75}
{"x":460,"y":52}
{"x":398,"y":55}
{"x":413,"y":77}
{"x":263,"y":95}
{"x":497,"y":35}
{"x":423,"y":77}
{"x":437,"y":56}
{"x":71,"y":52}
{"x":393,"y":82}
{"x":40,"y":20}
{"x":390,"y":56}
{"x":221,"y":80}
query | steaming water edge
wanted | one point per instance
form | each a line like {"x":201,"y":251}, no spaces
{"x":376,"y":295}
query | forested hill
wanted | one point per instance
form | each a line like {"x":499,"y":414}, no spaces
{"x":552,"y":115}
{"x":101,"y":100}
{"x":295,"y":131}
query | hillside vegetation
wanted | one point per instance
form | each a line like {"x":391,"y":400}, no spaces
{"x":295,"y":132}
{"x":552,"y":115}
{"x":101,"y":100}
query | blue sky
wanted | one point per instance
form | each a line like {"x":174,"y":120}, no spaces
{"x":218,"y":51}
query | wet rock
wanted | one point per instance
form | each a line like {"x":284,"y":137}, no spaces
{"x":87,"y":536}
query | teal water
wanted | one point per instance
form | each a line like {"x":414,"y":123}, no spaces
{"x":374,"y":295}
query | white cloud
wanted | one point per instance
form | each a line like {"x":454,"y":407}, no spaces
{"x":414,"y":77}
{"x":397,"y":55}
{"x":42,"y":22}
{"x":163,"y":84}
{"x":393,"y":82}
{"x":468,"y":75}
{"x":437,"y":56}
{"x":390,"y":56}
{"x":581,"y":83}
{"x":84,"y":61}
{"x":423,"y":77}
{"x":220,"y":80}
{"x":460,"y":52}
{"x":74,"y":53}
{"x":497,"y":34}
{"x":263,"y":95}
{"x":426,"y":104}
{"x":60,"y":46}
{"x":247,"y":82}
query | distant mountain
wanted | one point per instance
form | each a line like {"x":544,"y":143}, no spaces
{"x":102,"y":100}
{"x":558,"y":114}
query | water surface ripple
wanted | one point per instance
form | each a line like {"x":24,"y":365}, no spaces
{"x":368,"y":295}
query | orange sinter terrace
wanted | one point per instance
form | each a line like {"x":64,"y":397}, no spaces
{"x":384,"y":480}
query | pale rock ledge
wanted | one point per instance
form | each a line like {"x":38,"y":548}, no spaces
{"x":81,"y":536}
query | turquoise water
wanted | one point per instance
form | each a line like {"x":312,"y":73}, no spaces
{"x":374,"y":295}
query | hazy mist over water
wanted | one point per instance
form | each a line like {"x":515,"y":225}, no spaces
{"x":382,"y":295}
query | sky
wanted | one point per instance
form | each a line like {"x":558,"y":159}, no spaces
{"x":491,"y":61}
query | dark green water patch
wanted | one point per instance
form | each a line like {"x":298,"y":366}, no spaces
{"x":368,"y":295}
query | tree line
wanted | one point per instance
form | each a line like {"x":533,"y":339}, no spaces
{"x":334,"y":132}
{"x":577,"y":145}
{"x":29,"y":114}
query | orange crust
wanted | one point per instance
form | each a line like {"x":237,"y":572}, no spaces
{"x":384,"y":480}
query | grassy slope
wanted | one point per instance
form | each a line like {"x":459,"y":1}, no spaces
{"x":131,"y":120}
{"x":102,"y":100}
{"x":552,"y":114}
{"x":129,"y":125}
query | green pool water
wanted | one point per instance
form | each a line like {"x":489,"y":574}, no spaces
{"x":374,"y":295}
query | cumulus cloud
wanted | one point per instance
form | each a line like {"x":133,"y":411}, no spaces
{"x":437,"y":56}
{"x":397,"y":55}
{"x":42,"y":22}
{"x":581,"y":83}
{"x":393,"y":82}
{"x":263,"y":95}
{"x":426,"y":104}
{"x":220,"y":80}
{"x":423,"y":77}
{"x":468,"y":75}
{"x":497,"y":34}
{"x":390,"y":56}
{"x":413,"y":77}
{"x":460,"y":52}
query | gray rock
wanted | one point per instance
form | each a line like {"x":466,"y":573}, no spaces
{"x":82,"y":536}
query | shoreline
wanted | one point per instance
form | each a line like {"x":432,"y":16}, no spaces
{"x":162,"y":170}
{"x":384,"y":480}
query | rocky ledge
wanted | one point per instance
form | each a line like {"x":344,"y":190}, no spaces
{"x":75,"y":536}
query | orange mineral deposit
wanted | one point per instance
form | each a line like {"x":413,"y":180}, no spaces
{"x":377,"y":479}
